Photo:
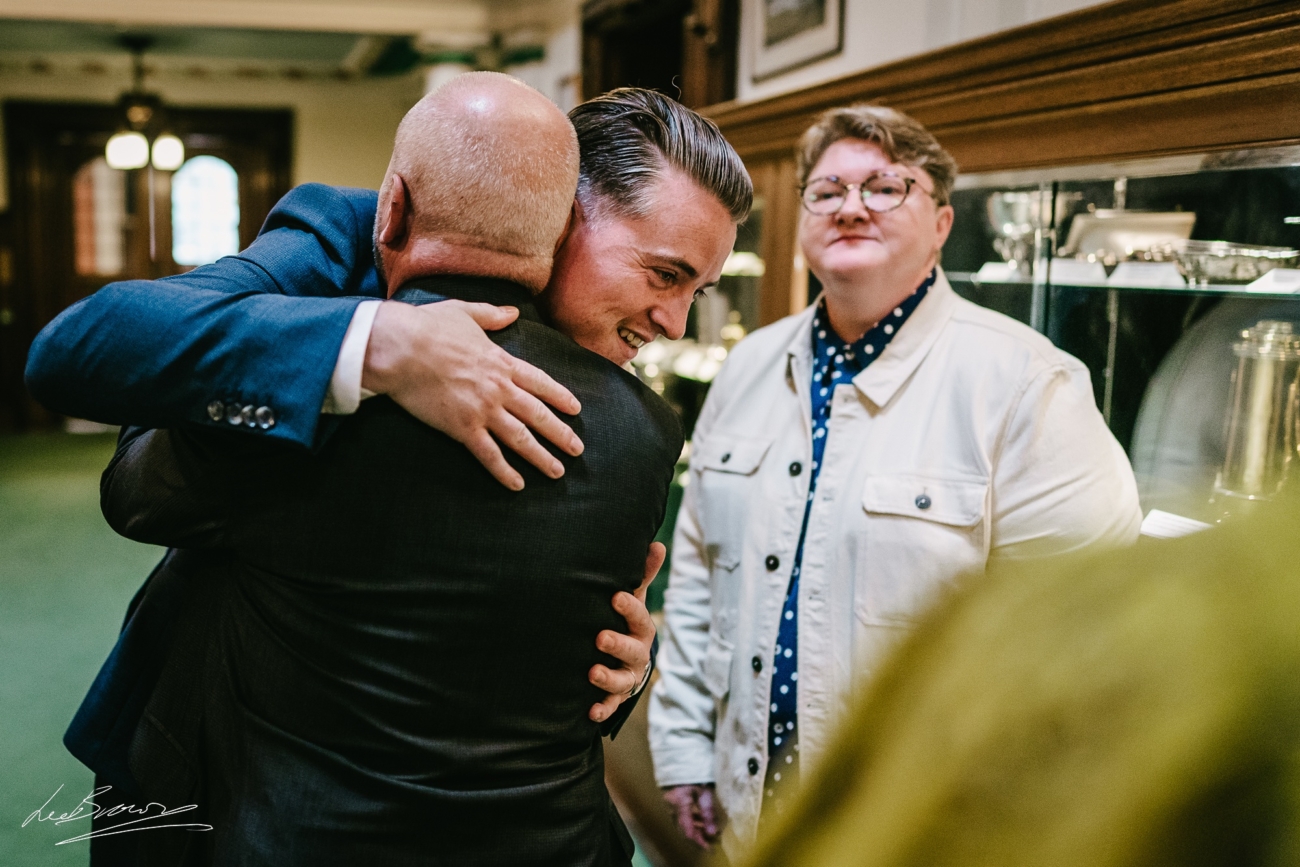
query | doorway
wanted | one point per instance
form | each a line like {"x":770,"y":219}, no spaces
{"x":683,"y":48}
{"x":74,"y":224}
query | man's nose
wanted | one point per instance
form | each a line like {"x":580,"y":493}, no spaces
{"x":670,"y":318}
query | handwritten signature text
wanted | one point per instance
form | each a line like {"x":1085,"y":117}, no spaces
{"x":149,"y":817}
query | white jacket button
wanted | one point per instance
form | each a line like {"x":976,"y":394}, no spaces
{"x":923,"y":501}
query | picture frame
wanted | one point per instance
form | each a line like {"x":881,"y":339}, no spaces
{"x":786,"y":34}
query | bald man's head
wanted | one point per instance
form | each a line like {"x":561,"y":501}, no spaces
{"x":487,"y":165}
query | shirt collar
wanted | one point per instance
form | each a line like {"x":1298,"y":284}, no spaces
{"x":853,"y":358}
{"x":882,"y":379}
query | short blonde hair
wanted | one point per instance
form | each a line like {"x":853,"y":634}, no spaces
{"x":903,"y":140}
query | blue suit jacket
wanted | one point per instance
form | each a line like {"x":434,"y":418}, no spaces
{"x":260,"y":328}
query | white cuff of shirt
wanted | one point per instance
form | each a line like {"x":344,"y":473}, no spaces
{"x":345,"y":393}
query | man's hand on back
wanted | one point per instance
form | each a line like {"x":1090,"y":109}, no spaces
{"x":437,"y":363}
{"x":633,"y":649}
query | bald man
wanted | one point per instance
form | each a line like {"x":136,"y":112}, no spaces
{"x":348,"y":667}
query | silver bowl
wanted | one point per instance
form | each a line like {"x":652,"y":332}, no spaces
{"x":1205,"y":262}
{"x":1014,"y":215}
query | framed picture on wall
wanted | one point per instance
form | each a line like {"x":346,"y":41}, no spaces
{"x":785,"y":34}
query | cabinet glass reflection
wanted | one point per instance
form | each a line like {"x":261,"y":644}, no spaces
{"x":1149,"y":273}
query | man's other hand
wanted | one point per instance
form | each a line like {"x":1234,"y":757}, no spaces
{"x":633,"y":649}
{"x":437,"y":363}
{"x":695,"y":810}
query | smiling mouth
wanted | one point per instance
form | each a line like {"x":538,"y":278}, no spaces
{"x":631,"y":338}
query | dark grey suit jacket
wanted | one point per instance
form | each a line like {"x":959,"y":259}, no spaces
{"x":344,"y":671}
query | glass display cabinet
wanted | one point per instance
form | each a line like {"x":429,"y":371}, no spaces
{"x":1151,"y":273}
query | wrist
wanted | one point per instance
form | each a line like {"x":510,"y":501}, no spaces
{"x":386,"y":350}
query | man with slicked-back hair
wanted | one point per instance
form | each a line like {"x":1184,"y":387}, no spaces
{"x":350,"y":707}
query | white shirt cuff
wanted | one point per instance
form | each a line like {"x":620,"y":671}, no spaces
{"x":345,"y":393}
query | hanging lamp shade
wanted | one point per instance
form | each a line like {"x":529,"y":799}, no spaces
{"x":141,"y":114}
{"x":168,"y":153}
{"x":127,"y":150}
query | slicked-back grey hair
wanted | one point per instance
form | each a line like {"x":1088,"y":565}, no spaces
{"x":627,"y":137}
{"x":900,"y":137}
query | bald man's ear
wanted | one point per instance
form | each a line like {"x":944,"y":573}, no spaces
{"x":575,"y":217}
{"x":393,"y":219}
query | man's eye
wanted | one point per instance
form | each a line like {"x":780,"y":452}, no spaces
{"x":699,"y":293}
{"x":666,"y":276}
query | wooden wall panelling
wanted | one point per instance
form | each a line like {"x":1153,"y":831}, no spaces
{"x":1235,"y":115}
{"x":709,"y":42}
{"x":780,"y":222}
{"x":1129,"y":79}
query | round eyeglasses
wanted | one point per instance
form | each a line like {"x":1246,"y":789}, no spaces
{"x":881,"y":193}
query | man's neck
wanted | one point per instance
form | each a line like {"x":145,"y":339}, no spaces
{"x":427,"y":257}
{"x":479,"y":290}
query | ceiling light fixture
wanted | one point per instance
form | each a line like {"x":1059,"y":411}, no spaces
{"x":141,"y":141}
{"x":127,"y":150}
{"x":168,"y":153}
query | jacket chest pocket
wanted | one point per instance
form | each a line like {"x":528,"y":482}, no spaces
{"x":728,"y":479}
{"x":921,"y":533}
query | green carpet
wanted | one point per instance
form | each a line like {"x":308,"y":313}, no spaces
{"x":65,"y":580}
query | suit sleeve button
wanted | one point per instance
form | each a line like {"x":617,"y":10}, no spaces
{"x":772,"y":562}
{"x":246,"y":415}
{"x":753,"y":767}
{"x":216,"y":410}
{"x":923,"y":502}
{"x":234,"y":413}
{"x":757,"y":663}
{"x":265,"y":418}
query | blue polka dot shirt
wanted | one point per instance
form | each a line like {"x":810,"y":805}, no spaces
{"x":834,"y":362}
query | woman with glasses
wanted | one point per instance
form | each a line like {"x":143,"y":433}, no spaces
{"x":850,"y":462}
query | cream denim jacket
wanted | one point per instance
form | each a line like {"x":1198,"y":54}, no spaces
{"x":971,"y":439}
